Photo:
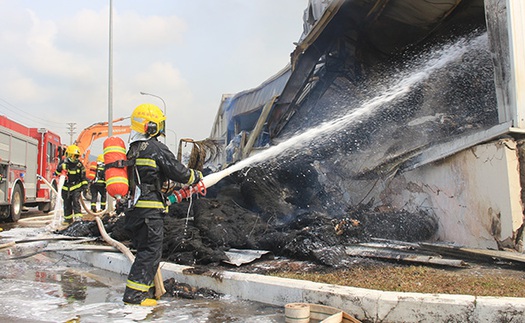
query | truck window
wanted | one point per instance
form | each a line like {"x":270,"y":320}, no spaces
{"x":61,"y":151}
{"x":51,"y":152}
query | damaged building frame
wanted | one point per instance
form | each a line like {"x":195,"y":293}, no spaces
{"x":433,"y":98}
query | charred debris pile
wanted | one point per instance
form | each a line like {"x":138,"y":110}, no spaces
{"x":279,"y":212}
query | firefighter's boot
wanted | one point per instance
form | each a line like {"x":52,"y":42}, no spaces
{"x":149,"y":302}
{"x":67,"y":220}
{"x":135,"y":297}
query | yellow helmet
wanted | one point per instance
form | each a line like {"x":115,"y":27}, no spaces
{"x":100,"y":158}
{"x":73,"y":152}
{"x":148,"y":119}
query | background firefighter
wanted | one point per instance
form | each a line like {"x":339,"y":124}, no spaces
{"x":75,"y":182}
{"x":98,"y":185}
{"x":152,"y":164}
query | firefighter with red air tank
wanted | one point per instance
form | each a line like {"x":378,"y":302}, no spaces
{"x":150,"y":164}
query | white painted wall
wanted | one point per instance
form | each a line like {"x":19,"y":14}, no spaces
{"x":475,"y":194}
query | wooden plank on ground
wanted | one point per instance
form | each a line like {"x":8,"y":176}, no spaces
{"x":405,"y":256}
{"x":472,"y":253}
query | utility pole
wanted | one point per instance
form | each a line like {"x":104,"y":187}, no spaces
{"x":72,"y":126}
{"x":110,"y":72}
{"x":110,"y":200}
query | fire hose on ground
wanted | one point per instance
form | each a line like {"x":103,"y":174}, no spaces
{"x":159,"y":284}
{"x":177,"y":196}
{"x":88,"y":210}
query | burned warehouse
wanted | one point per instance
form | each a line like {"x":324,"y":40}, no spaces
{"x":393,"y":120}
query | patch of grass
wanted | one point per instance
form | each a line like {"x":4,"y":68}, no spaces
{"x":419,"y":279}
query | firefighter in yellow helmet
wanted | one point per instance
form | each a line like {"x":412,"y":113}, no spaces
{"x":98,"y":185}
{"x":152,"y":164}
{"x":74,"y":184}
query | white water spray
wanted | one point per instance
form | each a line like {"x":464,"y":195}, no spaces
{"x":400,"y":87}
{"x":58,"y":212}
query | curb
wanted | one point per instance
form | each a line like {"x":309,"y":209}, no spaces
{"x":364,"y":304}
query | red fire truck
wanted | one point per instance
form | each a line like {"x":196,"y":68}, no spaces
{"x":25,"y":155}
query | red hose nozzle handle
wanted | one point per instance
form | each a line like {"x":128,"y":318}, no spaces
{"x":198,"y":188}
{"x":188,"y":191}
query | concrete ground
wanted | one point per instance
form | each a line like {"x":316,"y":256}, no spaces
{"x":365,"y":305}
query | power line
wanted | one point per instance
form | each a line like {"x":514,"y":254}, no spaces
{"x":5,"y":105}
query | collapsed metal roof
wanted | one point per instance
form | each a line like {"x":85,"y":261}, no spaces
{"x":243,"y":109}
{"x":354,"y":34}
{"x":358,"y":34}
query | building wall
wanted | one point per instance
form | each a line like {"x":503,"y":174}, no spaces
{"x":475,"y":194}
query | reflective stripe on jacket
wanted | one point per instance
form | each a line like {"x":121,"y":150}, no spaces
{"x":75,"y":172}
{"x":154,"y":164}
{"x":100,"y":177}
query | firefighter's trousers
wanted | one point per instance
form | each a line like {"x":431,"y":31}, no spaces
{"x":97,"y":189}
{"x":72,"y":208}
{"x":146,"y":227}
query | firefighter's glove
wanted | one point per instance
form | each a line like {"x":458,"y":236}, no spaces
{"x":63,"y":173}
{"x":196,"y":176}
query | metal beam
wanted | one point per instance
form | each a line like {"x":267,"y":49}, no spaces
{"x":258,"y":128}
{"x":438,"y":152}
{"x":516,"y":27}
{"x":506,"y":30}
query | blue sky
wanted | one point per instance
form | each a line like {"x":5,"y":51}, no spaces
{"x":54,"y":58}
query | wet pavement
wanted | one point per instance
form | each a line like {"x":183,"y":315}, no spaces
{"x":47,"y":286}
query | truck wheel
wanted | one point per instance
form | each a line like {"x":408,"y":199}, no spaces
{"x":16,"y":204}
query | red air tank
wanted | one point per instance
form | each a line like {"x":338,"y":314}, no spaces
{"x":115,"y":159}
{"x":91,"y":171}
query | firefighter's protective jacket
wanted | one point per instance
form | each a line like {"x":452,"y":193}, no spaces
{"x":100,"y":174}
{"x":154,"y":164}
{"x":75,"y":172}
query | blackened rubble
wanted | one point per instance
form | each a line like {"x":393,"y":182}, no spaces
{"x":271,"y":212}
{"x":176,"y":289}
